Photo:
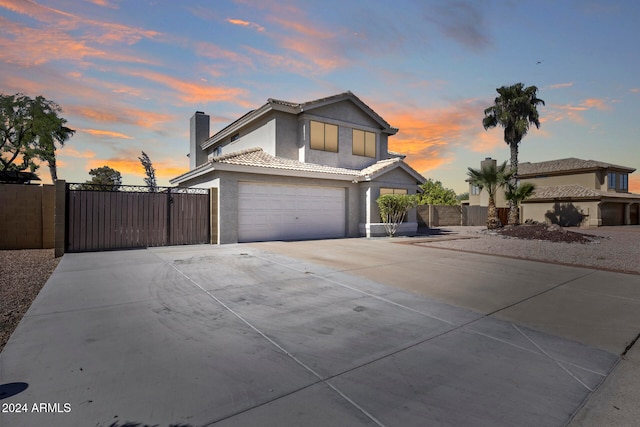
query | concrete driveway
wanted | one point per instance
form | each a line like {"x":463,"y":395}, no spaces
{"x":340,"y":332}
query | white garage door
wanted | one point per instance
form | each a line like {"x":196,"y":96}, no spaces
{"x":289,"y":212}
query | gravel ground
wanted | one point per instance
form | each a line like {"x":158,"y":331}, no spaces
{"x":615,"y":248}
{"x":22,"y":274}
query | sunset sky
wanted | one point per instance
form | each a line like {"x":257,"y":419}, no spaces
{"x":129,"y":75}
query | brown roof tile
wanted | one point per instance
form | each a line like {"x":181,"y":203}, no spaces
{"x":565,"y":165}
{"x":568,"y":192}
{"x":563,"y":192}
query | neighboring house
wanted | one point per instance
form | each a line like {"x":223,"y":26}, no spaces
{"x":289,"y":171}
{"x":573,"y":192}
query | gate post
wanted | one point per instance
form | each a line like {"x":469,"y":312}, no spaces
{"x":60,"y":217}
{"x":169,"y":202}
{"x":213,"y":215}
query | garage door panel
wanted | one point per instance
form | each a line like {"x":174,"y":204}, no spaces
{"x":288,"y":212}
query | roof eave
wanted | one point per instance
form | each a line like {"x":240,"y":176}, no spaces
{"x":401,"y":164}
{"x":236,"y":125}
{"x":259,"y":170}
{"x":386,"y":127}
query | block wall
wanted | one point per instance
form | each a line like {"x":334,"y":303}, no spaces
{"x":27,"y":216}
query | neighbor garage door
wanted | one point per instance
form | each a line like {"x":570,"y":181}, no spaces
{"x":289,"y":212}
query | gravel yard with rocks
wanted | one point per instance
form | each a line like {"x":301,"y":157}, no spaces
{"x":22,"y":274}
{"x":610,"y":248}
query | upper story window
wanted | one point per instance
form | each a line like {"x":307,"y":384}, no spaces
{"x":323,"y":136}
{"x":611,"y":180}
{"x":624,"y":182}
{"x":384,"y":191}
{"x":364,"y":143}
{"x":475,"y":190}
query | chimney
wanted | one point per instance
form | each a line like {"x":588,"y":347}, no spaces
{"x":488,"y":162}
{"x":199,"y":133}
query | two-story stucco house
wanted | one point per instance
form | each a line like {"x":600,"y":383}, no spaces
{"x":573,"y":192}
{"x":289,"y":171}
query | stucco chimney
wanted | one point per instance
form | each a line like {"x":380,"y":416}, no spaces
{"x":199,"y":132}
{"x":488,"y":162}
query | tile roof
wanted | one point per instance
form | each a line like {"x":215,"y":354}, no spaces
{"x":258,"y":158}
{"x":294,"y":108}
{"x":576,"y":192}
{"x":564,"y":192}
{"x":565,"y":165}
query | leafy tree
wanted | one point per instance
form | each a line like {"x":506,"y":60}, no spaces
{"x":29,"y":131}
{"x":515,"y":109}
{"x":463,"y":196}
{"x":150,"y":180}
{"x":490,"y":178}
{"x":434,"y":193}
{"x":393,"y":209}
{"x":104,"y":178}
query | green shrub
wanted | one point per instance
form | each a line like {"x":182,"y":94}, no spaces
{"x":393,"y":209}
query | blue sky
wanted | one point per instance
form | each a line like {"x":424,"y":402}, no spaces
{"x":129,"y":75}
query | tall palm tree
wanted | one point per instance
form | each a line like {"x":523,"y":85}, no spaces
{"x":490,"y":177}
{"x":515,"y":109}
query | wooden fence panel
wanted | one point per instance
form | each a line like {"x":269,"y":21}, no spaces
{"x":475,"y":215}
{"x":102,"y":220}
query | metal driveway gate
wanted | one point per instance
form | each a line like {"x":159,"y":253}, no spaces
{"x":104,"y":217}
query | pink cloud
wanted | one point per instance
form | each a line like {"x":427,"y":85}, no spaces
{"x":211,"y":50}
{"x":194,"y":93}
{"x":70,"y":151}
{"x":308,"y":48}
{"x":428,"y":135}
{"x":105,"y":3}
{"x":320,"y":47}
{"x":574,"y":113}
{"x":244,"y":23}
{"x":29,"y":46}
{"x":282,"y":61}
{"x":559,"y":85}
{"x":105,"y":133}
{"x":126,"y":116}
{"x":598,"y":104}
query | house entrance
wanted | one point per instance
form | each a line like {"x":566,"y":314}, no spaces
{"x":104,"y":217}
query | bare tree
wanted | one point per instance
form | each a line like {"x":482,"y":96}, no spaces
{"x":150,"y":180}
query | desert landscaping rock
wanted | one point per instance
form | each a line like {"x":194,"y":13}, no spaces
{"x":22,"y":274}
{"x":607,"y":248}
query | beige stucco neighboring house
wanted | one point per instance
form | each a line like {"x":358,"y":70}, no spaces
{"x":573,"y":192}
{"x":290,"y":171}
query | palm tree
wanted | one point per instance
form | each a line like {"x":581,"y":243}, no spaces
{"x":514,"y":110}
{"x":490,"y":177}
{"x":519,"y":193}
